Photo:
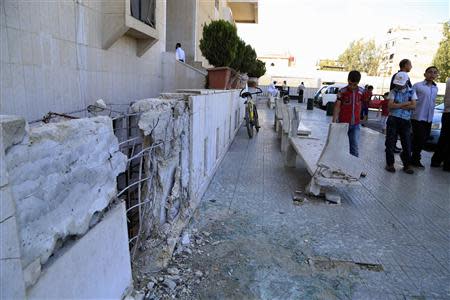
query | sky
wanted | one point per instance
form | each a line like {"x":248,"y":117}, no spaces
{"x":318,"y":29}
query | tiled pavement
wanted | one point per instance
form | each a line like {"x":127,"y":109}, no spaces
{"x":398,"y":222}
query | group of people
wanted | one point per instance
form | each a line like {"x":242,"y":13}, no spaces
{"x":283,"y":90}
{"x":407,"y":112}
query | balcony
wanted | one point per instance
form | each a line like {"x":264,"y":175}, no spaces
{"x":244,"y":11}
{"x":135,"y":18}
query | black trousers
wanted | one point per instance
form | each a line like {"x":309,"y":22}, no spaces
{"x":442,"y":153}
{"x":398,"y":127}
{"x":420,"y":133}
{"x":300,"y":96}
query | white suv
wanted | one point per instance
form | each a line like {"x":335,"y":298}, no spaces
{"x":331,"y":93}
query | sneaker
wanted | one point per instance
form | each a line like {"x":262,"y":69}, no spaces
{"x":417,"y":164}
{"x":390,"y":169}
{"x":363,"y":174}
{"x":408,"y":170}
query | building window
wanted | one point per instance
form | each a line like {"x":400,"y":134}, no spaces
{"x":391,"y":56}
{"x":144,"y":10}
{"x":217,"y":4}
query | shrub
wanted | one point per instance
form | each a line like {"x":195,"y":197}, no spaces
{"x":248,"y":59}
{"x":219,"y":43}
{"x":258,"y":69}
{"x":238,"y":59}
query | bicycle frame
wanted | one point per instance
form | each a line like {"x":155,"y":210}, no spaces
{"x":251,"y":115}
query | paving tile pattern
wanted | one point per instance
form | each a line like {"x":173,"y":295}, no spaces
{"x":398,"y":221}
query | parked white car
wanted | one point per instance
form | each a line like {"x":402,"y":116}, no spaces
{"x":331,"y":93}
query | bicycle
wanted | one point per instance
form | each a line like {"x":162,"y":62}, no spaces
{"x":251,"y":114}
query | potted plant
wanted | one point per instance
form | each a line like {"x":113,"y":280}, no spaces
{"x":219,"y":45}
{"x":243,"y":63}
{"x":258,"y":70}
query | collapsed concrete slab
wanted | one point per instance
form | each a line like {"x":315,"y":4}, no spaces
{"x":327,"y":161}
{"x":60,"y":175}
{"x":98,"y":264}
{"x":335,"y":159}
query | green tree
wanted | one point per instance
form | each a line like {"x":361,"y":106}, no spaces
{"x":237,"y":62}
{"x":248,"y":59}
{"x":362,"y":56}
{"x":219,"y":43}
{"x":258,"y":69}
{"x":442,"y":58}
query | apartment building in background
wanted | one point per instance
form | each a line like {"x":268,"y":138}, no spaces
{"x":417,"y":43}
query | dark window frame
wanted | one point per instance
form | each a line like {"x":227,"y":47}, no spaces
{"x":144,"y":11}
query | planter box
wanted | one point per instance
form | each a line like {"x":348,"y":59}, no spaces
{"x":219,"y":78}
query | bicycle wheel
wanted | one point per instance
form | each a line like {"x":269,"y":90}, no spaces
{"x":248,"y":125}
{"x":256,"y":119}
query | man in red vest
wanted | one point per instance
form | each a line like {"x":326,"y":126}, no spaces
{"x":347,"y":109}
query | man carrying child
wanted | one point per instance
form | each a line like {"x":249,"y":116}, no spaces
{"x":402,"y":100}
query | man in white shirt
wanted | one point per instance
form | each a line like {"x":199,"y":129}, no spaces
{"x":272,"y":90}
{"x":179,"y":53}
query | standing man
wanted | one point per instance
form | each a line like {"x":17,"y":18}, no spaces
{"x":402,"y":100}
{"x":272,"y":90}
{"x":405,"y":66}
{"x":422,"y":116}
{"x":284,"y":89}
{"x":301,"y":89}
{"x":442,"y":153}
{"x":348,"y":109}
{"x":179,"y":53}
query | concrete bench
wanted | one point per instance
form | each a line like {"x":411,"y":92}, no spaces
{"x":283,"y":118}
{"x":278,"y":116}
{"x":328,"y":161}
{"x":271,"y":102}
{"x":302,"y":129}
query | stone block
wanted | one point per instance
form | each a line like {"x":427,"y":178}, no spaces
{"x":101,"y":259}
{"x":62,"y":175}
{"x":7,"y":208}
{"x":12,"y":130}
{"x":29,"y":15}
{"x":9,"y":243}
{"x":18,"y":89}
{"x":4,"y":52}
{"x":36,"y":49}
{"x":14,"y":44}
{"x":11,"y":280}
{"x":12,"y":14}
{"x":27,"y":48}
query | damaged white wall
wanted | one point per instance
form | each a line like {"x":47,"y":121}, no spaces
{"x":61,"y":177}
{"x":196,"y":129}
{"x":215,"y":118}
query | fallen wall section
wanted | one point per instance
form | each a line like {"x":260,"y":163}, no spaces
{"x":57,"y":181}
